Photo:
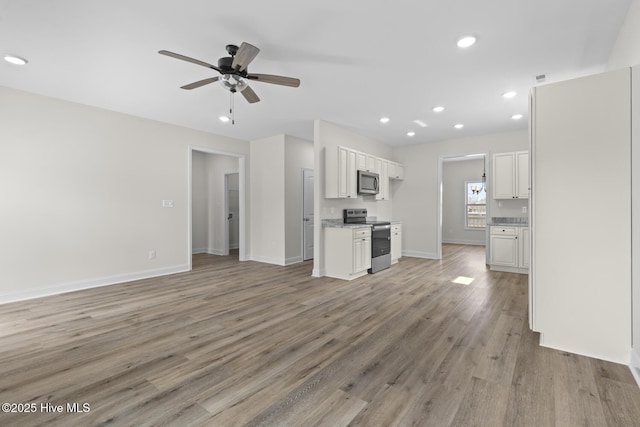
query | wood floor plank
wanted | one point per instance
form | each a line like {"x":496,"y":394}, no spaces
{"x":484,"y":404}
{"x":244,"y":343}
{"x":577,"y":400}
{"x":531,"y":399}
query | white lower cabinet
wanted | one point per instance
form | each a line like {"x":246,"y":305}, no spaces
{"x":396,"y":242}
{"x":509,"y":249}
{"x":347,"y":251}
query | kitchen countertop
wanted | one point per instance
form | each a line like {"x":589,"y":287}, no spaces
{"x":338,"y":223}
{"x":503,"y":224}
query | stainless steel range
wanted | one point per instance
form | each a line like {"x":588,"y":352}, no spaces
{"x":380,"y":237}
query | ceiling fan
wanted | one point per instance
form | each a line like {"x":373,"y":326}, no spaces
{"x":234,"y":72}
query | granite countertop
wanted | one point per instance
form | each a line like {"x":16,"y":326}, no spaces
{"x":338,"y":223}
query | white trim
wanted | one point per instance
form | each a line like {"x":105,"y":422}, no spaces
{"x":441,"y":160}
{"x":293,"y":260}
{"x":269,"y":260}
{"x":213,"y":251}
{"x":318,"y":272}
{"x":506,"y":269}
{"x":420,"y":254}
{"x":556,"y":346}
{"x":243,"y":247}
{"x":278,"y":261}
{"x":465,"y":242}
{"x":92,"y":283}
{"x":635,"y":366}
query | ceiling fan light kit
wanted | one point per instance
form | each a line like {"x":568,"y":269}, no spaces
{"x":234,"y":73}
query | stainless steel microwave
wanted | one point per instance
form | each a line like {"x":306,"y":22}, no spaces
{"x":368,"y":182}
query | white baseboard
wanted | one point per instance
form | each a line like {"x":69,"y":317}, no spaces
{"x":464,"y":242}
{"x":545,"y":342}
{"x":210,"y":251}
{"x":88,"y":284}
{"x":293,"y":260}
{"x":277,"y":261}
{"x":317,"y":272}
{"x":635,"y":366}
{"x":418,"y":254}
{"x":269,"y":260}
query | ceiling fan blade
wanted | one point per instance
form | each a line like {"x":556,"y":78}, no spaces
{"x":188,"y":59}
{"x":244,"y":56}
{"x":200,"y":83}
{"x":250,"y":95}
{"x":276,"y":80}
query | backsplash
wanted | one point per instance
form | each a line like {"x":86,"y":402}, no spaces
{"x":509,"y":220}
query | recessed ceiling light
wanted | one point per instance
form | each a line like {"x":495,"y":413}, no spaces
{"x":420,"y":123}
{"x":438,"y":109}
{"x":466,"y":41}
{"x":411,"y":133}
{"x":15,"y":59}
{"x":384,"y":120}
{"x":458,"y":126}
{"x":516,"y":116}
{"x":224,"y":119}
{"x":509,"y":94}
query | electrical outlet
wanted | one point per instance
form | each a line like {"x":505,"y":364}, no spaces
{"x":167,"y":203}
{"x":524,"y":209}
{"x":152,"y":254}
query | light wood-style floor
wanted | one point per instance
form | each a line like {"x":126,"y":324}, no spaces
{"x":253,"y":344}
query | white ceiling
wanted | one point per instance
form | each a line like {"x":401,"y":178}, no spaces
{"x":358,"y":60}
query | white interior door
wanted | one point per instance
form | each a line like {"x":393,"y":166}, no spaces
{"x":233,"y":210}
{"x":307,"y":213}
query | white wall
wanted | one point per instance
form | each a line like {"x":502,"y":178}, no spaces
{"x":199,"y":204}
{"x":298,"y":155}
{"x":626,"y":51}
{"x":276,"y":173}
{"x":454,"y":177}
{"x":82,"y":192}
{"x":415,"y":198}
{"x":581,"y":260}
{"x":327,"y":137}
{"x":267,"y":200}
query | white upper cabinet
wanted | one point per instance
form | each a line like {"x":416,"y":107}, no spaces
{"x":382,"y":169}
{"x":511,"y":175}
{"x":341,"y":172}
{"x":396,"y":170}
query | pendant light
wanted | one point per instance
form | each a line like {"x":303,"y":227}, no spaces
{"x":484,"y":172}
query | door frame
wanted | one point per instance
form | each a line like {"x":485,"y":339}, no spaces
{"x":243,"y":253}
{"x":226,"y":248}
{"x":462,"y":157}
{"x":302,"y":218}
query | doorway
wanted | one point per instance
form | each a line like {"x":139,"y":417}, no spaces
{"x":232,"y":211}
{"x":207,"y":205}
{"x":308,"y":220}
{"x":459,"y":201}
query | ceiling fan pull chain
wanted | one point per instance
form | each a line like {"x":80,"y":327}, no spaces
{"x":232,"y":110}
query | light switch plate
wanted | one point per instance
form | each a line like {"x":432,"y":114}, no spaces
{"x":167,"y":203}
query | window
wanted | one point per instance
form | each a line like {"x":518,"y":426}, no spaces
{"x":475,"y":206}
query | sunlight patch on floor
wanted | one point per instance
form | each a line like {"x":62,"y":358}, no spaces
{"x":463,"y":280}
